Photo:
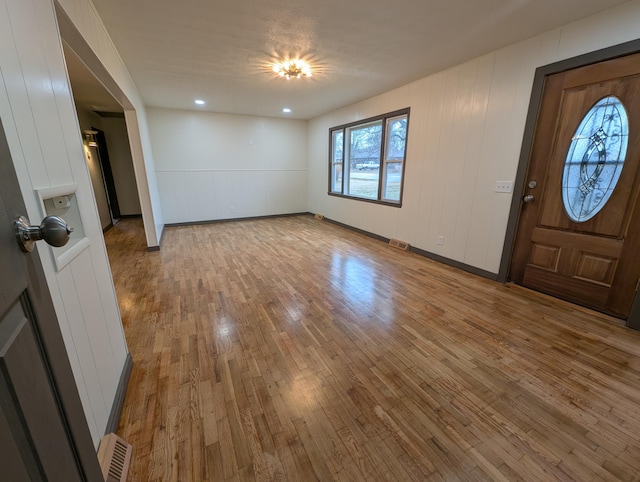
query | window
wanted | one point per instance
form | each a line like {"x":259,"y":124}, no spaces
{"x":337,"y":148}
{"x":595,"y":159}
{"x":367,"y":158}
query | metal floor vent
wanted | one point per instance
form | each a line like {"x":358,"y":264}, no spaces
{"x":396,"y":243}
{"x":114,"y":456}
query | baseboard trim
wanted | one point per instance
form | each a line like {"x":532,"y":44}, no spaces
{"x":228,"y":220}
{"x":118,"y":401}
{"x":357,"y":230}
{"x":455,"y":264}
{"x":436,"y":257}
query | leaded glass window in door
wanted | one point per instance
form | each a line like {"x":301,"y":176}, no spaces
{"x":595,"y":159}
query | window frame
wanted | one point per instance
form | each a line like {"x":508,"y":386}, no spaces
{"x":382,"y":174}
{"x":333,"y":163}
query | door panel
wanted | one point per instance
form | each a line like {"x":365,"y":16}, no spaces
{"x":43,"y":429}
{"x":18,"y":470}
{"x":29,"y":402}
{"x":587,"y":262}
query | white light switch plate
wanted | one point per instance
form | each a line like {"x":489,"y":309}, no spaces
{"x":504,"y":186}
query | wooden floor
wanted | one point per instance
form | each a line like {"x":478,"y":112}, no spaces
{"x":294,"y":349}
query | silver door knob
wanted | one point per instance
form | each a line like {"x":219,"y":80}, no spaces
{"x":529,"y":198}
{"x":53,"y":229}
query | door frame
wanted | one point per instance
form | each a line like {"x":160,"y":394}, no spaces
{"x":70,"y":34}
{"x":627,"y":48}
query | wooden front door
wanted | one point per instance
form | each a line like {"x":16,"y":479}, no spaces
{"x":43,"y":431}
{"x":578,"y":236}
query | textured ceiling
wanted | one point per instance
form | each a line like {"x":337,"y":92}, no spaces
{"x":221,"y":51}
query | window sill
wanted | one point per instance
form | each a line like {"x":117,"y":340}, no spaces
{"x":372,"y":201}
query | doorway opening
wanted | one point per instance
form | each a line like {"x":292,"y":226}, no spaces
{"x":106,"y":144}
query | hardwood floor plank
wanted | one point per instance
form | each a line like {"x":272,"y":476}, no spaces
{"x":292,"y":349}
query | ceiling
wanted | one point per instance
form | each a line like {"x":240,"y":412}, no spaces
{"x":222,"y":51}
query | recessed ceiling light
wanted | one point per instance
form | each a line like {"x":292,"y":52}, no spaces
{"x":286,"y":110}
{"x":199,"y":102}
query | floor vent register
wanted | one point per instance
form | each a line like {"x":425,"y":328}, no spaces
{"x":396,"y":243}
{"x":114,"y":455}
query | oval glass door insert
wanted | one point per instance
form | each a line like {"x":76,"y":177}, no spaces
{"x":595,"y":159}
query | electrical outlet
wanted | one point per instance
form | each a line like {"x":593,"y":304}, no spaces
{"x":440,"y":240}
{"x":232,"y":210}
{"x":504,"y":186}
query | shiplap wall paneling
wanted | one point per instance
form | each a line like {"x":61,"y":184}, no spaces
{"x":227,"y":192}
{"x":473,"y":109}
{"x":254,"y":194}
{"x":446,"y":190}
{"x":610,"y":27}
{"x":31,"y":48}
{"x":20,"y":124}
{"x":426,"y":124}
{"x":191,"y":196}
{"x":410,"y":218}
{"x":168,"y":199}
{"x":80,"y":336}
{"x":108,"y":361}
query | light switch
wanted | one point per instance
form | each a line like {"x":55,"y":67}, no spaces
{"x":504,"y":186}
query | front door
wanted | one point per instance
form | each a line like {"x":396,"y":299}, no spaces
{"x":578,"y":236}
{"x":43,"y":431}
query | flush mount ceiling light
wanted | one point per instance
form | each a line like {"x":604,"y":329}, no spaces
{"x":295,"y":69}
{"x":199,"y":101}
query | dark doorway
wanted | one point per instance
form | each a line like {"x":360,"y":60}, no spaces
{"x":107,"y":172}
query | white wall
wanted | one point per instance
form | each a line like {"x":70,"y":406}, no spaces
{"x":219,"y":166}
{"x":465,"y":133}
{"x":85,"y":19}
{"x":36,"y":107}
